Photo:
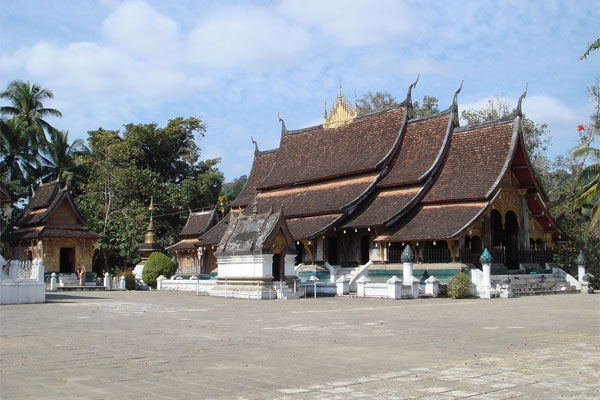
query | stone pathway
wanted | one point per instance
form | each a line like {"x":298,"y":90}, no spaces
{"x":164,"y":345}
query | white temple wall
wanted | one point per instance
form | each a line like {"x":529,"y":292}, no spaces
{"x":250,"y":266}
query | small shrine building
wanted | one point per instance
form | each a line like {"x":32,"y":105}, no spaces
{"x":190,"y":257}
{"x":51,"y":227}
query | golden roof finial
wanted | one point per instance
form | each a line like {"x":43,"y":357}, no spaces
{"x":341,"y":113}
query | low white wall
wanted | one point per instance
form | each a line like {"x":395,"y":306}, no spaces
{"x":376,"y":290}
{"x":323,"y":289}
{"x":247,"y":266}
{"x":188,"y":285}
{"x":22,"y":291}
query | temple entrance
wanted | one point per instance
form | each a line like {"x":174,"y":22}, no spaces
{"x":332,"y":250}
{"x":364,"y":250}
{"x":67,"y":258}
{"x":497,"y":229}
{"x":278,"y":267}
{"x":511,"y":240}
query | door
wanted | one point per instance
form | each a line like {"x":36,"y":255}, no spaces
{"x":67,"y":258}
{"x":332,"y":250}
{"x":278,"y":267}
{"x":364,"y":250}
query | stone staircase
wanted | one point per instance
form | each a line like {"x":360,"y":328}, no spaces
{"x":286,"y":293}
{"x":535,"y":284}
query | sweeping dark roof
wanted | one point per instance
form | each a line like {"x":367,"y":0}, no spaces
{"x":435,"y":222}
{"x":476,"y":161}
{"x":261,"y":166}
{"x":420,"y":147}
{"x":198,"y":223}
{"x":213,"y":236}
{"x":324,"y":153}
{"x":388,"y":171}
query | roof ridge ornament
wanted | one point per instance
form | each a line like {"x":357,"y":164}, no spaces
{"x":256,"y":150}
{"x":519,"y":110}
{"x":341,"y":113}
{"x":408,"y":100}
{"x":283,"y":127}
{"x":455,"y":100}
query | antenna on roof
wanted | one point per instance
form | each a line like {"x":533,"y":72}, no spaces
{"x":255,"y":145}
{"x":519,"y":111}
{"x":283,"y":128}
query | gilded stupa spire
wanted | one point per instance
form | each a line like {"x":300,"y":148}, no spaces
{"x":150,"y":235}
{"x":341,"y":113}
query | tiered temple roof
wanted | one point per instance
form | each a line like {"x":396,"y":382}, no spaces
{"x":197,"y":224}
{"x":413,"y":179}
{"x":51,"y":212}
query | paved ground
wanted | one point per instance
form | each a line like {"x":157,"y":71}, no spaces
{"x":142,"y":345}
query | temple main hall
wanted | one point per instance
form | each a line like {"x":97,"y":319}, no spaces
{"x":357,"y":189}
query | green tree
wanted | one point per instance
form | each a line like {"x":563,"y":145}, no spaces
{"x":233,"y":188}
{"x":595,"y":45}
{"x":378,"y":101}
{"x":127,"y":169}
{"x":428,"y":107}
{"x":589,"y":196}
{"x":16,"y":156}
{"x":59,"y":159}
{"x":27,"y":104}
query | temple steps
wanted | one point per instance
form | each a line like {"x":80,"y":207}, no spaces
{"x":284,"y":292}
{"x":536,"y":284}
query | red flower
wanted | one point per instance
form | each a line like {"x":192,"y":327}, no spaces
{"x":580,"y":128}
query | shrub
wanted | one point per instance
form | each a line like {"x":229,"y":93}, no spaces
{"x":158,"y":264}
{"x":458,"y":286}
{"x":129,"y":279}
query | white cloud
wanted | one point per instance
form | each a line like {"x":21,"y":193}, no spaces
{"x":354,"y":22}
{"x":245,"y":37}
{"x":135,"y":28}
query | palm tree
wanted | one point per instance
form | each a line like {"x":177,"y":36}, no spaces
{"x":59,"y":158}
{"x":27,"y":104}
{"x":16,"y":155}
{"x":590,"y":177}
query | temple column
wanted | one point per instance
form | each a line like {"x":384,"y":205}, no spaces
{"x":523,"y":233}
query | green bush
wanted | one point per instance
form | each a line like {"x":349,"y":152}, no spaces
{"x":129,"y":279}
{"x":158,"y":264}
{"x":458,"y":286}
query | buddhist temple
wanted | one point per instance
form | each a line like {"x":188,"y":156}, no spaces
{"x":358,"y":189}
{"x":52,"y":228}
{"x":191,"y":258}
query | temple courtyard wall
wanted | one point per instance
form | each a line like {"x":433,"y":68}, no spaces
{"x":157,"y":345}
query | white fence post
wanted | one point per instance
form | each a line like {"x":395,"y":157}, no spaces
{"x":53,"y":282}
{"x":122,"y":283}
{"x":106,"y":281}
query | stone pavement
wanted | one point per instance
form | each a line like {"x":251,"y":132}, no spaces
{"x":155,"y":345}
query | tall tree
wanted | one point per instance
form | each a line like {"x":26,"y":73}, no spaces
{"x":59,"y":159}
{"x":27,"y":103}
{"x":428,"y":107}
{"x":16,"y":155}
{"x":127,"y":169}
{"x":378,"y":101}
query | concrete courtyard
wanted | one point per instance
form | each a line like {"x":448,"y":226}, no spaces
{"x":155,"y":345}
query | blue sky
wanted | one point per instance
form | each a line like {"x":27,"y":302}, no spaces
{"x":236,"y":64}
